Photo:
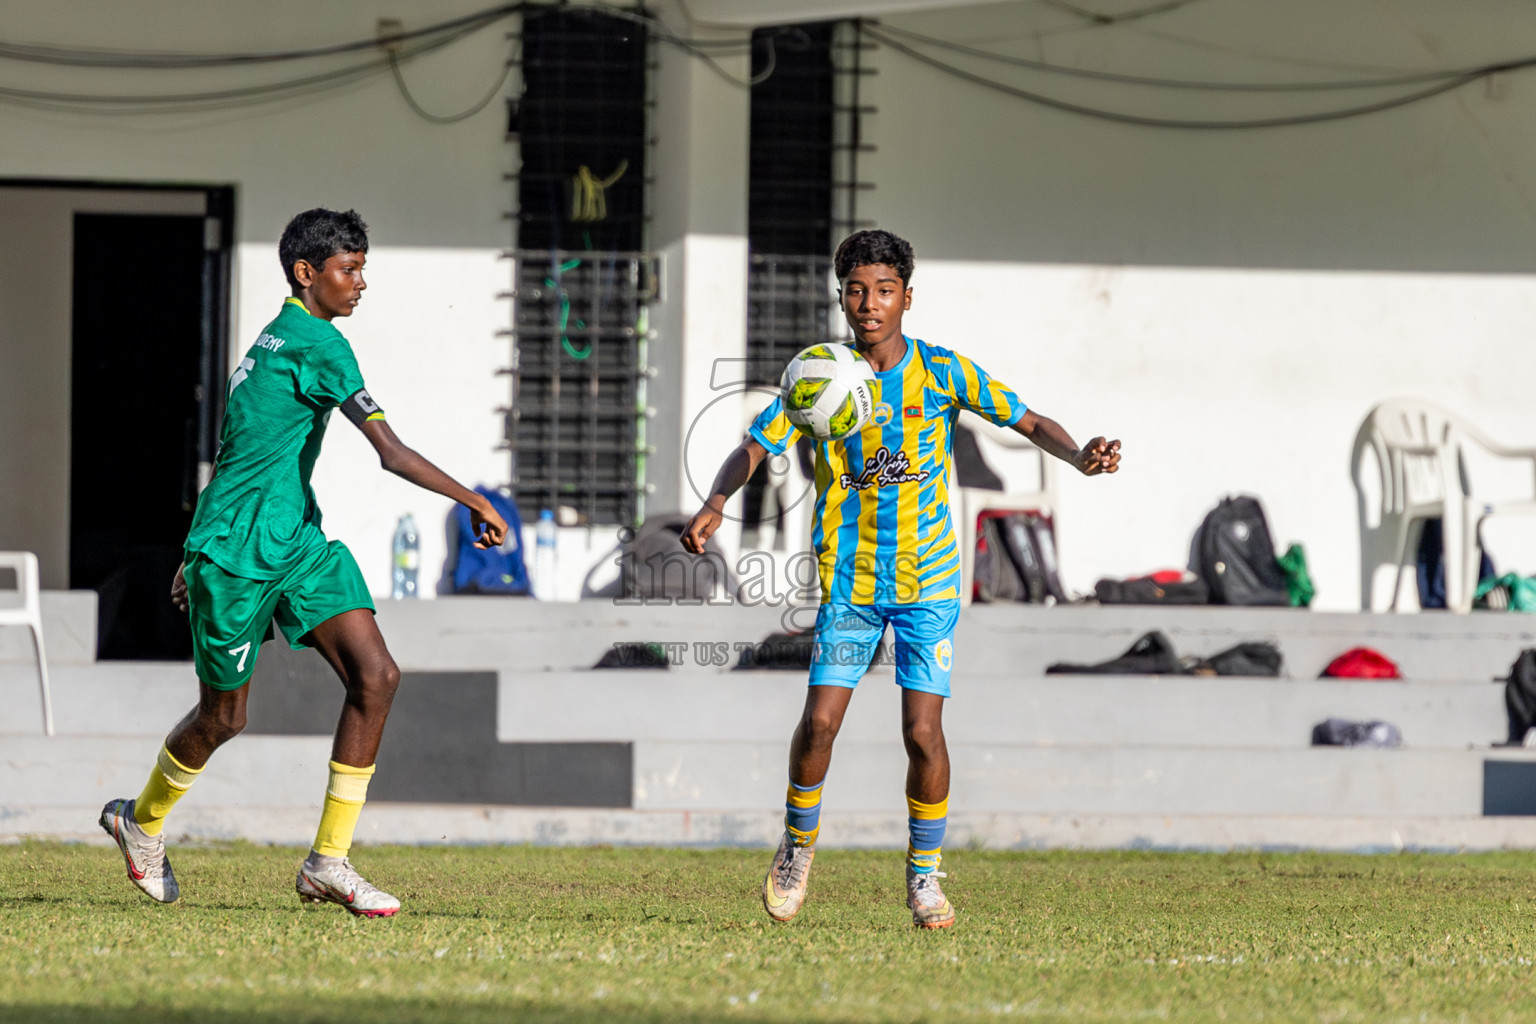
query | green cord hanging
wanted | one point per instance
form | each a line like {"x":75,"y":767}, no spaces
{"x":565,"y":312}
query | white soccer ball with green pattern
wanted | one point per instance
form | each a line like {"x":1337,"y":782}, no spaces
{"x":829,"y":391}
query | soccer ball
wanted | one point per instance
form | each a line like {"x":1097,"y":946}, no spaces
{"x":829,"y":391}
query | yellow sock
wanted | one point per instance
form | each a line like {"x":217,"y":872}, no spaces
{"x":344,"y":798}
{"x":168,"y":780}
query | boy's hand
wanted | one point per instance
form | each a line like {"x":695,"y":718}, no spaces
{"x":179,"y":589}
{"x":490,"y":529}
{"x":1098,"y":456}
{"x":700,"y":528}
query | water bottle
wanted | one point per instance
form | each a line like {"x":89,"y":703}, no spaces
{"x":544,"y":557}
{"x":407,"y":558}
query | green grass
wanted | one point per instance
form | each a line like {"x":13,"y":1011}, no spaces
{"x":617,"y":935}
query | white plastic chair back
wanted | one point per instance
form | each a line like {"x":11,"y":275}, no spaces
{"x":23,"y":607}
{"x":1421,"y":460}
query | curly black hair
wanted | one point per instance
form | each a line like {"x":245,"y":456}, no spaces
{"x":314,"y":236}
{"x":863,"y":248}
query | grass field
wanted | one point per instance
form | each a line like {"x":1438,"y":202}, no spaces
{"x":618,"y":935}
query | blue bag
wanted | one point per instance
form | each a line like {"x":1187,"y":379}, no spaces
{"x":498,"y":570}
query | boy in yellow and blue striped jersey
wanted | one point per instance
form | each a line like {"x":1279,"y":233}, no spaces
{"x":887,"y":554}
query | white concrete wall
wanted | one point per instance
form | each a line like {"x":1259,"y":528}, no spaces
{"x":1374,"y":257}
{"x":433,"y":195}
{"x":1234,"y":381}
{"x":1383,"y":255}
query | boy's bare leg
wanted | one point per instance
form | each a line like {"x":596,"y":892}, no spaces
{"x":136,"y":825}
{"x":922,"y":730}
{"x":810,"y":752}
{"x":355,"y":649}
{"x":218,"y":718}
{"x":351,"y":643}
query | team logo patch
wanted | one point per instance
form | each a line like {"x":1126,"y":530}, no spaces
{"x":883,"y":414}
{"x":943,"y":654}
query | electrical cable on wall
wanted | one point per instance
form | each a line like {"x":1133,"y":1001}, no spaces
{"x":399,"y":49}
{"x":416,"y":108}
{"x":1337,"y":85}
{"x":1315,"y":117}
{"x":407,"y":45}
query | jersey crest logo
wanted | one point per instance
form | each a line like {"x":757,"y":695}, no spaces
{"x":943,"y":654}
{"x":885,"y":467}
{"x":882,"y":415}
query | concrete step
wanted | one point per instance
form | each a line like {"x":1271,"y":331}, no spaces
{"x":69,"y":631}
{"x":1011,"y":640}
{"x":147,"y":698}
{"x":986,"y":778}
{"x":119,"y":698}
{"x":86,"y":771}
{"x":282,"y":771}
{"x":547,"y":826}
{"x":1059,"y":711}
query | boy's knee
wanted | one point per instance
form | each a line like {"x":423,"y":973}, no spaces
{"x":222,"y":722}
{"x":821,"y":727}
{"x":923,"y":737}
{"x":376,"y":685}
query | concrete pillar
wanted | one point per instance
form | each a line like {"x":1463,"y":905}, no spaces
{"x":699,"y":200}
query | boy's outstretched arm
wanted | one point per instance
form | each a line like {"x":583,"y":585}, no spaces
{"x":736,"y":470}
{"x":490,"y":529}
{"x":1095,"y":457}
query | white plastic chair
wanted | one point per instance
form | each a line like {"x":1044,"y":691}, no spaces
{"x":29,"y":614}
{"x":1029,"y":484}
{"x":1420,"y":450}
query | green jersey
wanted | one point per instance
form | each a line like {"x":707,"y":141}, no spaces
{"x":258,"y":517}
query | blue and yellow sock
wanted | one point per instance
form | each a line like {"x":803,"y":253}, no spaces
{"x":925,"y":831}
{"x":802,"y":813}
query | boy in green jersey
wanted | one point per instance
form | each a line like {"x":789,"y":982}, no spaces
{"x":256,"y":554}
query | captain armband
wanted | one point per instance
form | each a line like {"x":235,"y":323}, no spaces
{"x":360,"y":407}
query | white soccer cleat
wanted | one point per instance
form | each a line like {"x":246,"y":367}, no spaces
{"x":930,"y":908}
{"x":335,"y":880}
{"x":148,"y":867}
{"x":784,"y":888}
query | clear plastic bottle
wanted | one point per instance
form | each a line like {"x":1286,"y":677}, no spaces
{"x":544,"y":556}
{"x":407,"y":558}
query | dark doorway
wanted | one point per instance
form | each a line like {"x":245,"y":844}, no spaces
{"x":141,"y":350}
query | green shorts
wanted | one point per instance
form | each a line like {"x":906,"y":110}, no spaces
{"x":231,"y":614}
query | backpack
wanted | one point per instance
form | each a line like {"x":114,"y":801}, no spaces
{"x":1520,"y":696}
{"x":1015,"y":559}
{"x":1361,"y":663}
{"x":498,"y":570}
{"x":778,"y":651}
{"x":1237,"y":556}
{"x":1152,"y":590}
{"x":1340,"y":732}
{"x":1250,"y":658}
{"x":655,"y":567}
{"x":634,"y":655}
{"x":1150,"y":655}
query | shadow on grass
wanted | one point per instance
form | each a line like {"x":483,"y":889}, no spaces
{"x":380,"y":1011}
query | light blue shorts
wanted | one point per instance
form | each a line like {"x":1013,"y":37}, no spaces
{"x":924,"y":648}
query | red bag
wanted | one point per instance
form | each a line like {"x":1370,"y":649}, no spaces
{"x":1362,"y":663}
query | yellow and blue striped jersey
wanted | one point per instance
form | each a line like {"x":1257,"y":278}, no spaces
{"x":882,"y":529}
